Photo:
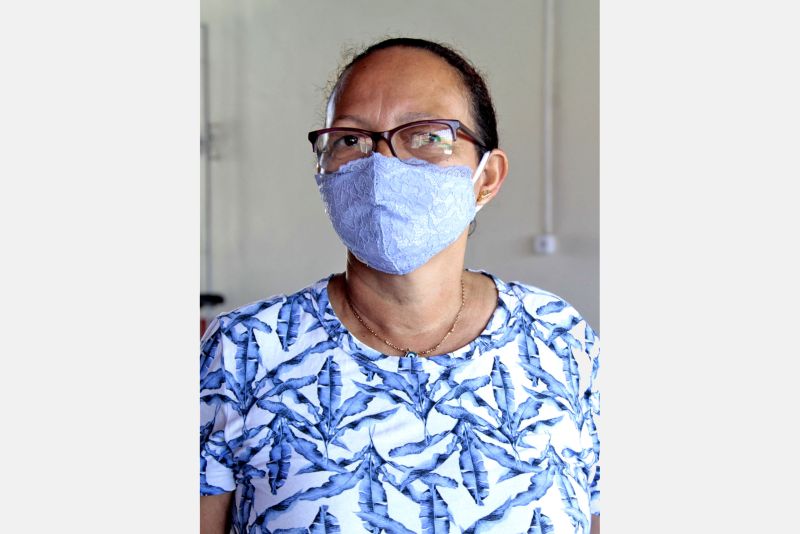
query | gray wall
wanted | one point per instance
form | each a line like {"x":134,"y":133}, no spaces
{"x":269,"y":63}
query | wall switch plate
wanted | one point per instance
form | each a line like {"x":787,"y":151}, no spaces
{"x":544,"y":244}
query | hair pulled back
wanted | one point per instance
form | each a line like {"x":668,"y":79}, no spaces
{"x":480,"y":101}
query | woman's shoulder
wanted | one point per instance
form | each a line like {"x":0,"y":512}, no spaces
{"x":544,"y":308}
{"x":269,"y":314}
{"x":541,"y":301}
{"x":275,"y":328}
{"x":530,"y":296}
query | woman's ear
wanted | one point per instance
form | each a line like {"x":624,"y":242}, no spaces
{"x":491,"y":179}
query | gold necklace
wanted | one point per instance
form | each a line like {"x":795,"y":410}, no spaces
{"x":407,"y":351}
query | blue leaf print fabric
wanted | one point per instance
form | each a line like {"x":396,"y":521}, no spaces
{"x":318,"y":433}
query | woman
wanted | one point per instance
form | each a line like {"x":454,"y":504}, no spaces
{"x":406,"y":394}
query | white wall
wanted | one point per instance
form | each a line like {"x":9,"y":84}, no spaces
{"x":270,"y":61}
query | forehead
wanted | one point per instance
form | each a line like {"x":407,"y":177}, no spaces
{"x":396,"y":84}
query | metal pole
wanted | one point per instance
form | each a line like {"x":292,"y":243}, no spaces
{"x":549,"y":102}
{"x":545,"y":242}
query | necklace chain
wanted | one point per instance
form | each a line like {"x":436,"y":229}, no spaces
{"x":407,"y":351}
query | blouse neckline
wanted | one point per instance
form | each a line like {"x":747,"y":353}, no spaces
{"x":490,"y":336}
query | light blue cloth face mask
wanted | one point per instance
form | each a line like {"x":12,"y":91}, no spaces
{"x":395,"y":216}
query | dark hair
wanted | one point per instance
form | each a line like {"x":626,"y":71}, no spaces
{"x":480,"y":101}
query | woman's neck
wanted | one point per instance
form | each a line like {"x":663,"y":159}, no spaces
{"x":416,"y":310}
{"x":420,"y":304}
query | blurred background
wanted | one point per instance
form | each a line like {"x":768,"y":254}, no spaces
{"x":266,"y":65}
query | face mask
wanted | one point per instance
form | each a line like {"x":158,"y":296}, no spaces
{"x":395,"y":216}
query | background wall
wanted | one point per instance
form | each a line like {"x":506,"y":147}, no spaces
{"x":269,"y":63}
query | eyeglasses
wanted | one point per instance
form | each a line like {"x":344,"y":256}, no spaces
{"x":429,"y":140}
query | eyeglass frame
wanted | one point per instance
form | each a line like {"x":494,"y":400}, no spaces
{"x":454,"y":125}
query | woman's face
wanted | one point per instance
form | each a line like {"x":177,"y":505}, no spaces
{"x":398,"y":85}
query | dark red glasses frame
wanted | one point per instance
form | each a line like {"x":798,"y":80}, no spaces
{"x":454,"y":125}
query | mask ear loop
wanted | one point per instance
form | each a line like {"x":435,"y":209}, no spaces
{"x":478,"y":171}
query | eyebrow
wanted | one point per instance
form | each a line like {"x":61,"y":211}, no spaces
{"x":404,"y":118}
